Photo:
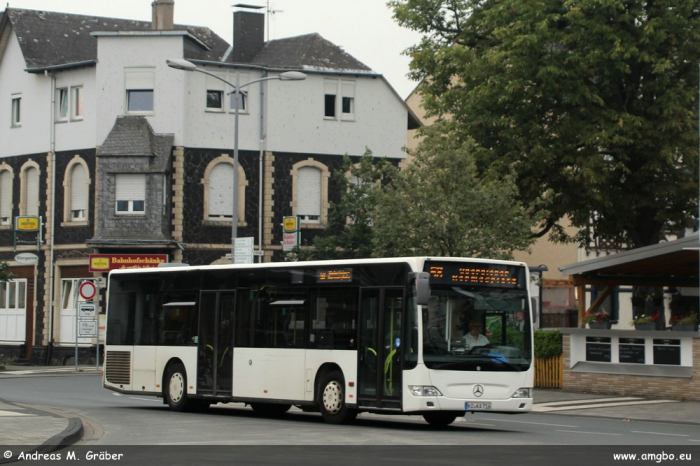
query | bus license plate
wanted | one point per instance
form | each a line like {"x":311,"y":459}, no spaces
{"x":477,"y":406}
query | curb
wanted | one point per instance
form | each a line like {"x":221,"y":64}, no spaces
{"x":69,"y":436}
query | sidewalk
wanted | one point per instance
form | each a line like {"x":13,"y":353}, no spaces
{"x":49,"y":429}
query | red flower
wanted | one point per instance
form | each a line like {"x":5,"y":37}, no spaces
{"x":656,"y":316}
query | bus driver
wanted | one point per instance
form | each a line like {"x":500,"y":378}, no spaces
{"x":474,"y":338}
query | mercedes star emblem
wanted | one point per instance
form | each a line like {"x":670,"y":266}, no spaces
{"x":478,"y":390}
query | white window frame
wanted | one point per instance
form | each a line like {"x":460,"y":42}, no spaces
{"x":6,"y":205}
{"x":13,"y":311}
{"x":139,"y":79}
{"x":215,"y":85}
{"x":325,"y":176}
{"x":242,"y":184}
{"x":132,"y":198}
{"x":26,"y":196}
{"x":68,"y":218}
{"x":242,"y":79}
{"x":62,"y":104}
{"x":77,"y":106}
{"x":16,"y":109}
{"x":330,"y":87}
{"x":347,"y":93}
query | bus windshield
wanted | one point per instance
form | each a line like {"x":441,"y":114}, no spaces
{"x":477,"y":328}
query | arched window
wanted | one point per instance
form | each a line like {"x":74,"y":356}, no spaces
{"x":310,"y":192}
{"x":76,"y":185}
{"x":29,"y":199}
{"x":218,"y":191}
{"x":5,"y":198}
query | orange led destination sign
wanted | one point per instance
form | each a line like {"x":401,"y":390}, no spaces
{"x":335,"y":275}
{"x":481,"y":274}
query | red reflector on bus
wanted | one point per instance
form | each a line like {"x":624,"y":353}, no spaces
{"x":264,"y":391}
{"x":351,"y":384}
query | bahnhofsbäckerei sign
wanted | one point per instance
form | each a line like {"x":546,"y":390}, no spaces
{"x":107,"y":262}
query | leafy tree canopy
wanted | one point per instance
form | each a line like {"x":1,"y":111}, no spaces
{"x":350,"y":232}
{"x":440,"y":205}
{"x":592,"y":102}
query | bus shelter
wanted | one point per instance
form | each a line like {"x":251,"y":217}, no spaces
{"x":663,"y":364}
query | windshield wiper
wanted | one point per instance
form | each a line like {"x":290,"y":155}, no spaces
{"x":471,"y":359}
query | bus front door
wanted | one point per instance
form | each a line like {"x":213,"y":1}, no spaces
{"x":379,"y":364}
{"x":215,"y":343}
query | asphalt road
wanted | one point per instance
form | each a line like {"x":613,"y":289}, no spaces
{"x":142,"y":420}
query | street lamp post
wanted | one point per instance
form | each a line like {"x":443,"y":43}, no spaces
{"x":185,"y":65}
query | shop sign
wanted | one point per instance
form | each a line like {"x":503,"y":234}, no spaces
{"x":107,"y":262}
{"x":27,"y":223}
{"x":27,"y":258}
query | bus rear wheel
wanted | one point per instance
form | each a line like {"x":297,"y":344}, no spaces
{"x":270,"y":409}
{"x":176,"y":388}
{"x":440,"y":419}
{"x":332,"y":399}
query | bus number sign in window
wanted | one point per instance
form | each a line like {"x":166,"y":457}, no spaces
{"x":495,"y":275}
{"x":334,"y":276}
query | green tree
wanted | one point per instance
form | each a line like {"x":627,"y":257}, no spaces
{"x":440,"y":205}
{"x":5,"y":274}
{"x":592,"y":102}
{"x":350,"y":233}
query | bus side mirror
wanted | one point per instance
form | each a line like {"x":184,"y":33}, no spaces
{"x":534,"y":309}
{"x":422,"y":288}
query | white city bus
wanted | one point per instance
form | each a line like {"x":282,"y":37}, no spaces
{"x":340,"y":337}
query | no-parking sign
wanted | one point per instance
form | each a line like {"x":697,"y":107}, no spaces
{"x":87,"y":290}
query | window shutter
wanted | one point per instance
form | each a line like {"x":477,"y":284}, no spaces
{"x":139,"y":78}
{"x":5,"y":194}
{"x":131,"y":187}
{"x":348,"y":88}
{"x":309,"y":191}
{"x":330,"y":87}
{"x":78,"y":188}
{"x":215,"y":84}
{"x":32,"y":192}
{"x":221,"y":191}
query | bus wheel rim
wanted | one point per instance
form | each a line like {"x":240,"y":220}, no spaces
{"x":177,"y":387}
{"x":333,"y":397}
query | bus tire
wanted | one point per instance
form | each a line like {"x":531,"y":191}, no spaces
{"x":440,"y":419}
{"x":176,"y":388}
{"x":270,"y":409}
{"x":331,"y":400}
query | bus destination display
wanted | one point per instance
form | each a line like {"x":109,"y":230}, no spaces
{"x":481,"y":274}
{"x":335,"y":276}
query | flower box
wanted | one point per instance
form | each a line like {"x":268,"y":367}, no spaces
{"x":651,"y":326}
{"x":600,"y":325}
{"x":683,"y":327}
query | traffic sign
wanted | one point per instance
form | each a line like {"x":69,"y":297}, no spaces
{"x":87,"y":328}
{"x":88,"y":290}
{"x":87,"y":310}
{"x":244,"y":242}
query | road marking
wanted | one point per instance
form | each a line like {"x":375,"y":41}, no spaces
{"x":144,"y":399}
{"x":584,"y":432}
{"x":590,"y":400}
{"x":535,"y":423}
{"x":13,"y":413}
{"x":659,"y":433}
{"x":545,"y":409}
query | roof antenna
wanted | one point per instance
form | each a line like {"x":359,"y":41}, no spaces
{"x":270,"y":13}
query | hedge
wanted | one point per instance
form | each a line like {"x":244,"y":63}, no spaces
{"x":548,"y":343}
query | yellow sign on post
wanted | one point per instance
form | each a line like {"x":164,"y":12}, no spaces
{"x":27,"y":223}
{"x":290,"y":224}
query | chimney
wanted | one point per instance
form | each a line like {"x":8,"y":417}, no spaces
{"x":248,"y":34}
{"x":163,"y":12}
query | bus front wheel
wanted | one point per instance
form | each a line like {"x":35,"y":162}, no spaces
{"x":176,"y":388}
{"x":332,"y":399}
{"x":440,"y":419}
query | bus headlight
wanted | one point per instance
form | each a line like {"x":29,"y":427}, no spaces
{"x":522,"y":393}
{"x":423,"y":390}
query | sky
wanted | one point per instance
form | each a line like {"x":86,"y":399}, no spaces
{"x":363,"y":28}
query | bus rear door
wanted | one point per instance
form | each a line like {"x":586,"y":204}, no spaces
{"x":215,"y":343}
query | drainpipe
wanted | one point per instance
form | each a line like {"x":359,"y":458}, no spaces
{"x":262,"y":165}
{"x":52,"y":143}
